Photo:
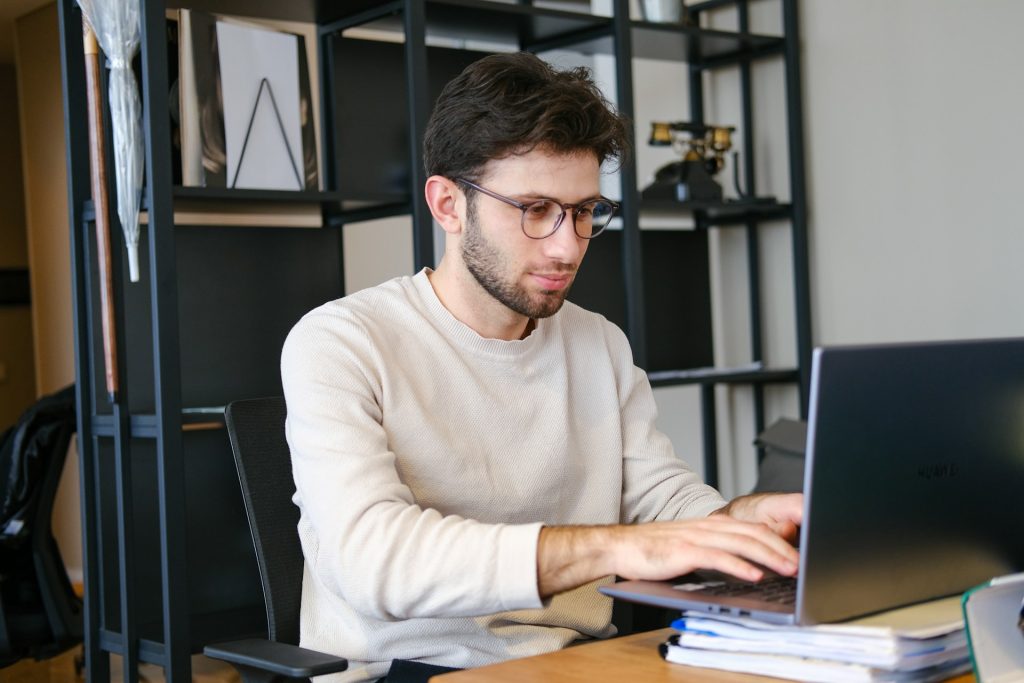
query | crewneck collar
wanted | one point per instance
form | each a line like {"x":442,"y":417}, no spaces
{"x":465,"y":336}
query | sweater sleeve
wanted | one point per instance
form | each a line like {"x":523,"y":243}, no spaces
{"x":365,"y":539}
{"x":656,"y":484}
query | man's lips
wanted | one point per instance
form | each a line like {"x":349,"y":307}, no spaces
{"x":553,"y":281}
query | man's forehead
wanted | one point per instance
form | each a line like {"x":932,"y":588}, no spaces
{"x":540,"y":163}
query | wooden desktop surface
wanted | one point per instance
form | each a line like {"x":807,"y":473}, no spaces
{"x":630,"y":658}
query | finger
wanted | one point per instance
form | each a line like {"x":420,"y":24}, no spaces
{"x":727,"y":563}
{"x":751,"y":543}
{"x":763,"y":533}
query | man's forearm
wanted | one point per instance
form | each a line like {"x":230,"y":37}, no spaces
{"x":570,"y":556}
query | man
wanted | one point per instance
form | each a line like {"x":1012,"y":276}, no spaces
{"x":472,"y":454}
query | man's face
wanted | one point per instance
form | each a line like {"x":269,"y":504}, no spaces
{"x":529,"y":276}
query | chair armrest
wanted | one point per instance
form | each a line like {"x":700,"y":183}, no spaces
{"x":283,"y":659}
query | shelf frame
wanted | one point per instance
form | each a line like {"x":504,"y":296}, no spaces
{"x":523,"y":25}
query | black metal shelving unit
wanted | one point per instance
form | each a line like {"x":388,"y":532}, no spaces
{"x":168,"y":564}
{"x":704,"y":51}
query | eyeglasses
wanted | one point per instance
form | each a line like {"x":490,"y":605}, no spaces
{"x":543,"y":217}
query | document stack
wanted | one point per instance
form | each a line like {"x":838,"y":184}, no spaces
{"x":920,"y":643}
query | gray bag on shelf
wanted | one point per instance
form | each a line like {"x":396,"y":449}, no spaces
{"x":782,"y":470}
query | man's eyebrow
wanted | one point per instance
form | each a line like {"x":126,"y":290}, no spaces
{"x":538,"y":196}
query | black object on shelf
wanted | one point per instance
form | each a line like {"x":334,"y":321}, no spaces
{"x":683,"y":181}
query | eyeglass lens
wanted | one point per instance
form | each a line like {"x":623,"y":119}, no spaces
{"x":542,"y":218}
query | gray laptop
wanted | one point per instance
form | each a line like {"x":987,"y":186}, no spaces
{"x":914,"y":486}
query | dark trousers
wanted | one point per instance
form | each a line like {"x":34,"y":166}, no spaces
{"x":410,"y":671}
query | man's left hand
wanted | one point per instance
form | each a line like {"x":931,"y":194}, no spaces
{"x":781,"y":512}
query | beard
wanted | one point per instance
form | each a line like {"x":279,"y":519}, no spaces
{"x":488,"y":267}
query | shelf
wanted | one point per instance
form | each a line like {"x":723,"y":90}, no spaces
{"x":716,"y":213}
{"x":336,"y":209}
{"x":681,"y":43}
{"x":740,"y":375}
{"x":481,"y":21}
{"x":241,"y":622}
{"x":145,"y":426}
{"x":249,"y":195}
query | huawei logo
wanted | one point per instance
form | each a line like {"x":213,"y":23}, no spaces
{"x":945,"y":470}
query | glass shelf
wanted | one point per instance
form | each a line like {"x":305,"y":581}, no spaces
{"x":720,"y":214}
{"x":682,"y":43}
{"x":481,"y":21}
{"x":144,"y":425}
{"x":748,"y":374}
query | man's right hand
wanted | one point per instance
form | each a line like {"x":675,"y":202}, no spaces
{"x":570,"y":556}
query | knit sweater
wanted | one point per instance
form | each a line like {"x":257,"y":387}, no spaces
{"x":426,"y":459}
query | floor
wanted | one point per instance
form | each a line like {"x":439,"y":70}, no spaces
{"x":62,"y":669}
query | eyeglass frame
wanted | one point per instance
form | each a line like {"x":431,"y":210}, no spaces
{"x":566,"y":208}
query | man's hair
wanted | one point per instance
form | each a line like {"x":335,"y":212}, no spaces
{"x":509,"y":104}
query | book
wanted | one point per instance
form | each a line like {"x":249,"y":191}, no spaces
{"x":918,"y":643}
{"x":265,"y":214}
{"x":994,"y":615}
{"x":810,"y":669}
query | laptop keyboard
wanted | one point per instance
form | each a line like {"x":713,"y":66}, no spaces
{"x":779,"y":589}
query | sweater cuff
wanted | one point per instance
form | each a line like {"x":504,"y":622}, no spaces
{"x":708,"y":507}
{"x":517,"y":567}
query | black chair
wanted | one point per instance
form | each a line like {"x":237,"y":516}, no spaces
{"x":40,"y":615}
{"x":256,"y":430}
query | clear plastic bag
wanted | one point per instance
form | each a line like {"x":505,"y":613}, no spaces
{"x":116,"y":24}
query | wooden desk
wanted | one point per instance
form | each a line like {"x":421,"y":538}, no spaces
{"x":630,"y":658}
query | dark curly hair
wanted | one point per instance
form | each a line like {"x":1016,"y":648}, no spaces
{"x":509,"y":104}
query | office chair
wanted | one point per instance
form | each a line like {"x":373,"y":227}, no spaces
{"x":40,"y":615}
{"x":256,"y":430}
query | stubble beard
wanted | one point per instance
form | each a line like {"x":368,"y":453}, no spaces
{"x":486,"y":265}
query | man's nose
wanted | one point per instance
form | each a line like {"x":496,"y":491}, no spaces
{"x":564,"y":245}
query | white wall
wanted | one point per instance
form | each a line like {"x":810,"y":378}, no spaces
{"x":41,"y":113}
{"x":913,"y":161}
{"x":915,"y":154}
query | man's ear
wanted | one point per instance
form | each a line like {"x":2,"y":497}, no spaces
{"x":445,"y":199}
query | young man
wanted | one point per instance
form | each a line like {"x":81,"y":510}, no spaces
{"x":473,"y":455}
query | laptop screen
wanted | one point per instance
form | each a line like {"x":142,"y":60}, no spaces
{"x":915,"y":474}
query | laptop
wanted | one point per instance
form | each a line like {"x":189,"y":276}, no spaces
{"x":913,"y":486}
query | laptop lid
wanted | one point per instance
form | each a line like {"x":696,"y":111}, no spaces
{"x":915,"y":462}
{"x":914,"y":474}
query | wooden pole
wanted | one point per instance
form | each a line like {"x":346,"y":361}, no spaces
{"x":101,"y":205}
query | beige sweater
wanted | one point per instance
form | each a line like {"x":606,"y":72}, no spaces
{"x":426,"y":460}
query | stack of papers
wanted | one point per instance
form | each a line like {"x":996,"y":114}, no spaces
{"x":919,"y":643}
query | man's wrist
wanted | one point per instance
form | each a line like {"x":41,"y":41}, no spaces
{"x":571,"y":556}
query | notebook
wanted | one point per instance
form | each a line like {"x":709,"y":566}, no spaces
{"x":913,"y":483}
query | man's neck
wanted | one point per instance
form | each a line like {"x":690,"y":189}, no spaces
{"x":471,"y":305}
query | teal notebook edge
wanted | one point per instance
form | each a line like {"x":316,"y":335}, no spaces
{"x":973,"y":634}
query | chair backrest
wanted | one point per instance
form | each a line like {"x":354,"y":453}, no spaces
{"x":256,"y":430}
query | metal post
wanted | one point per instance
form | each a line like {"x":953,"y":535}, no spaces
{"x":419,"y":112}
{"x":752,"y":226}
{"x":632,"y":246}
{"x":97,"y":661}
{"x":166,"y":357}
{"x":798,"y":191}
{"x":709,"y":430}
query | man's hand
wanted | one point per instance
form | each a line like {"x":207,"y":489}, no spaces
{"x":571,"y":556}
{"x":781,"y":512}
